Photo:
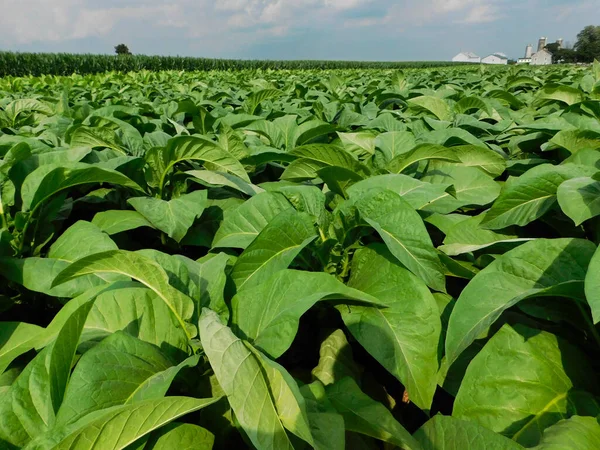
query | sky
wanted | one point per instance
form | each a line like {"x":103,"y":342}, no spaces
{"x":383,"y":30}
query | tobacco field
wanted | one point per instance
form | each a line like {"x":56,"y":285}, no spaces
{"x":327,"y":259}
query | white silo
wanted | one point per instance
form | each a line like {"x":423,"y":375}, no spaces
{"x":542,"y":43}
{"x":528,"y":51}
{"x":560,"y":42}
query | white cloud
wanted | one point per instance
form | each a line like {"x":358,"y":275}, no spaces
{"x":59,"y":20}
{"x":453,"y":11}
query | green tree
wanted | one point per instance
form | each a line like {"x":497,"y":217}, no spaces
{"x":566,"y":55}
{"x":122,"y":49}
{"x":588,"y":44}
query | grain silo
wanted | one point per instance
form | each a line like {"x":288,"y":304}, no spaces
{"x":542,"y":43}
{"x":528,"y":51}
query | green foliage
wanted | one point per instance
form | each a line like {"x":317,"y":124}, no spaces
{"x":298,"y":259}
{"x":36,"y":64}
{"x":122,"y":49}
{"x":588,"y":44}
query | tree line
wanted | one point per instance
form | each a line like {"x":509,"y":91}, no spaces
{"x":585,"y":50}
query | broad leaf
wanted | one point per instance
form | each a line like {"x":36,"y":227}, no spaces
{"x":540,"y":268}
{"x":335,"y":360}
{"x":118,"y":427}
{"x":273,"y":249}
{"x":404,"y":336}
{"x":268,"y":314}
{"x":403,"y":231}
{"x":468,"y":236}
{"x":241,"y":227}
{"x":449,"y":433}
{"x":531,"y":195}
{"x":118,"y":221}
{"x":248,"y":389}
{"x":50,"y":179}
{"x":579,"y":198}
{"x":138,"y":267}
{"x":109,"y":374}
{"x":422,"y":152}
{"x":581,"y":433}
{"x":180,"y":436}
{"x":173,"y":217}
{"x":542,"y":377}
{"x":364,"y":415}
{"x":29,"y":407}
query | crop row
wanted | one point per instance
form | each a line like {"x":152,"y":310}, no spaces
{"x":21,"y":64}
{"x":301,"y":259}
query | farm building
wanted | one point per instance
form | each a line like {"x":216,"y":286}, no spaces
{"x":467,"y":57}
{"x":541,"y":58}
{"x":495,"y":58}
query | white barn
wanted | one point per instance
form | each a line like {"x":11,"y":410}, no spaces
{"x":541,"y":58}
{"x":495,"y":58}
{"x":468,"y":57}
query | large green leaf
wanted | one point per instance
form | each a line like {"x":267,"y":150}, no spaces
{"x":29,"y":407}
{"x":404,"y":336}
{"x":561,"y":93}
{"x":468,"y":236}
{"x":592,"y":286}
{"x":173,"y":217}
{"x":109,"y":374}
{"x":576,"y":140}
{"x":335,"y":360}
{"x":326,"y":425}
{"x":255,"y":99}
{"x":364,"y":415}
{"x":579,"y":198}
{"x":261,"y":410}
{"x":437,"y":106}
{"x":37,"y":274}
{"x":118,"y":221}
{"x":449,"y":433}
{"x":268,"y":314}
{"x":241,"y":227}
{"x":422,"y":152}
{"x":581,"y":433}
{"x":326,"y":155}
{"x":403,"y":231}
{"x":482,"y":158}
{"x":16,"y":338}
{"x":531,"y":195}
{"x":119,"y":427}
{"x":394,"y":143}
{"x":192,"y":148}
{"x":210,"y":276}
{"x":50,"y":179}
{"x":542,"y":378}
{"x":210,"y":178}
{"x":140,"y":312}
{"x":471,"y":187}
{"x":140,"y":268}
{"x":180,"y":436}
{"x":273,"y":249}
{"x":417,"y":194}
{"x":540,"y":268}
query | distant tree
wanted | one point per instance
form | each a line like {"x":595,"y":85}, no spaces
{"x":565,"y":56}
{"x":122,"y":49}
{"x":553,"y":48}
{"x":588,"y":44}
